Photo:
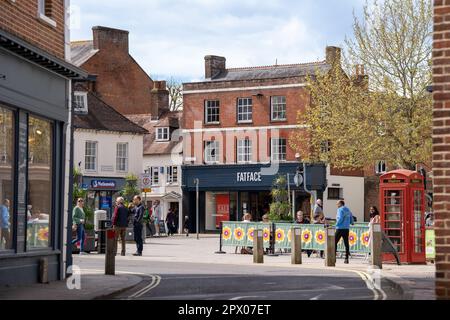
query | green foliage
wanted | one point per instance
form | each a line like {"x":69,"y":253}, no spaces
{"x":280,"y":209}
{"x":131,"y":188}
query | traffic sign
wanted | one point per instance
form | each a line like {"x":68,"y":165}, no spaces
{"x":145,"y":181}
{"x":298,"y":179}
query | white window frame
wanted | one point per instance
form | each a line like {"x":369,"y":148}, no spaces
{"x":95,"y":156}
{"x":154,"y":171}
{"x":276,"y":155}
{"x":211,"y":146}
{"x":209,"y":106}
{"x":379,"y":167}
{"x":41,"y":14}
{"x":244,"y":151}
{"x":245,"y":110}
{"x":120,"y":155}
{"x":172,"y":175}
{"x":163,"y":134}
{"x":82,"y":96}
{"x":276,"y":103}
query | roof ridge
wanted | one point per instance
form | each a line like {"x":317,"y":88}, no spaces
{"x":277,"y":65}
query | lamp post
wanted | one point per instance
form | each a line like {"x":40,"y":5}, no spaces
{"x":197,"y":182}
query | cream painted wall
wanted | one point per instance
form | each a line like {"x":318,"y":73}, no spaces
{"x":353,"y":194}
{"x":106,"y":152}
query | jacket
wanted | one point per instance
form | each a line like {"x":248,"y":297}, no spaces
{"x":120,"y":217}
{"x":78,"y":215}
{"x":4,"y":217}
{"x":344,"y":218}
{"x":138,"y":214}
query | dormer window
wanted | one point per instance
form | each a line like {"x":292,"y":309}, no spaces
{"x":80,"y":103}
{"x":162,"y":134}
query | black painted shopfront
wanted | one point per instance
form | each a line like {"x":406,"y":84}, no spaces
{"x":227,"y":192}
{"x":34,"y":114}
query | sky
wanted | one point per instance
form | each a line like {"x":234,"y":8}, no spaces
{"x":170,"y":38}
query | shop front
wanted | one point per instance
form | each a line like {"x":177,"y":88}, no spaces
{"x":228,"y":192}
{"x":102,"y":192}
{"x":34,"y":115}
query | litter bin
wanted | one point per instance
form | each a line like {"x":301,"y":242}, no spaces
{"x":101,"y":242}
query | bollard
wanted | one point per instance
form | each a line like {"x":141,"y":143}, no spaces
{"x":376,"y":246}
{"x":110,"y":258}
{"x":258,"y":247}
{"x":296,"y":245}
{"x":43,"y":270}
{"x":330,"y":249}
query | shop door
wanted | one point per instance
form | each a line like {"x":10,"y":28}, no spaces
{"x":416,"y":230}
{"x":394,"y":219}
{"x":222,"y":209}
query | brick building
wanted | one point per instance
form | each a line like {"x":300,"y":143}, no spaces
{"x":35,"y":106}
{"x":441,"y":145}
{"x":237,"y":124}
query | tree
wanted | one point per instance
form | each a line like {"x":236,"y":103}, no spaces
{"x":280,"y":209}
{"x":387,"y":116}
{"x":131,"y":188}
{"x":175,"y":94}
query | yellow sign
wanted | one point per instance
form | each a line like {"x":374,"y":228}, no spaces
{"x":147,"y":190}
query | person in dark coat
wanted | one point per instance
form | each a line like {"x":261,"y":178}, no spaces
{"x":138,"y":219}
{"x":170,"y":221}
{"x":186,"y":225}
{"x":120,"y":223}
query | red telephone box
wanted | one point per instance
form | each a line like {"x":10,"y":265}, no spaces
{"x":402,"y":204}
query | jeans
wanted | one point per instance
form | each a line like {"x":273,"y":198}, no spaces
{"x":138,"y":237}
{"x":343,"y":233}
{"x":80,"y":236}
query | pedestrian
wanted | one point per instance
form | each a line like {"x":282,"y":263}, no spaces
{"x":5,"y":224}
{"x":170,"y":221}
{"x":247,"y":218}
{"x":186,"y":225}
{"x":138,"y":217}
{"x":302,"y":220}
{"x":344,"y":219}
{"x":429,"y":220}
{"x":156,"y":214}
{"x":265,"y":218}
{"x":374,"y":219}
{"x":120,"y":224}
{"x":319,"y":217}
{"x":78,"y":220}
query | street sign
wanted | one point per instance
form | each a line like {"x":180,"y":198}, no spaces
{"x":145,"y":182}
{"x":298,"y":179}
{"x":147,"y":190}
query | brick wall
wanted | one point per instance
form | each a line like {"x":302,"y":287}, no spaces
{"x":441,"y":144}
{"x":21,"y":19}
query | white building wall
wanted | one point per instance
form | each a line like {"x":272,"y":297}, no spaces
{"x":352,"y":193}
{"x":106,"y":152}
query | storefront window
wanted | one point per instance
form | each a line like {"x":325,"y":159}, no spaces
{"x":6,"y":177}
{"x":39,"y":191}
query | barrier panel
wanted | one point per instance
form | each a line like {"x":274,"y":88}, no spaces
{"x":240,"y":234}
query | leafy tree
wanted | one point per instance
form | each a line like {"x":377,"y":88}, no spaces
{"x":131,"y":188}
{"x":354,"y":121}
{"x":280,"y":209}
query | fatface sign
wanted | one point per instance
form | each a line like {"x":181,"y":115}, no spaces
{"x":249,"y":177}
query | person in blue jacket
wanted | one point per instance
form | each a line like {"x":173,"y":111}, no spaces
{"x":5,"y":224}
{"x":344,"y":219}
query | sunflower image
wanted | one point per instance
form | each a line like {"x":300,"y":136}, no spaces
{"x":226,"y":233}
{"x":352,"y":238}
{"x":43,"y":234}
{"x":307,"y":236}
{"x":320,"y":237}
{"x":251,"y":234}
{"x":266,"y":235}
{"x":280,"y":235}
{"x":365,"y":237}
{"x":239,"y":234}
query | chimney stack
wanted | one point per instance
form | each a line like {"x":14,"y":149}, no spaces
{"x":160,"y":99}
{"x":214,"y":65}
{"x":107,"y":38}
{"x":333,"y":55}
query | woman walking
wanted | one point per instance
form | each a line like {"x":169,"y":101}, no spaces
{"x":374,"y":219}
{"x":78,"y":219}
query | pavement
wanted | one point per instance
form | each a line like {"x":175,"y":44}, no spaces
{"x":183,"y":268}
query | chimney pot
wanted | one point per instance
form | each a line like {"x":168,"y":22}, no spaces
{"x":105,"y":38}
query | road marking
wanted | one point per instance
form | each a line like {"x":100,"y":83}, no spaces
{"x":369,"y":283}
{"x":246,"y":297}
{"x":316,"y":298}
{"x":156,"y":280}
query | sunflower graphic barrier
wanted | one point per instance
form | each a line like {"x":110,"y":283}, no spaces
{"x":239,"y":234}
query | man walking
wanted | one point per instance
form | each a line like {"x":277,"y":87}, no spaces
{"x":138,"y":217}
{"x":344,"y":219}
{"x":120,"y":223}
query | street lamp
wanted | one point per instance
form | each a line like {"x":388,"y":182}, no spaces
{"x":197,"y":182}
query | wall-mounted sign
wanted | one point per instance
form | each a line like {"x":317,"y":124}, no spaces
{"x":249,"y":177}
{"x":107,"y":168}
{"x":103,"y":184}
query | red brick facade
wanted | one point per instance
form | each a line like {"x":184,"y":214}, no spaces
{"x":441,"y":144}
{"x":121,"y":82}
{"x":21,"y":18}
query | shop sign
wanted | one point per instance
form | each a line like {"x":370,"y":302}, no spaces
{"x":249,"y":177}
{"x":103,"y":184}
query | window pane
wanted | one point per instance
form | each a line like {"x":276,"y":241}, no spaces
{"x":278,"y":108}
{"x":212,"y":112}
{"x":6,"y":177}
{"x":40,"y":167}
{"x":245,"y":110}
